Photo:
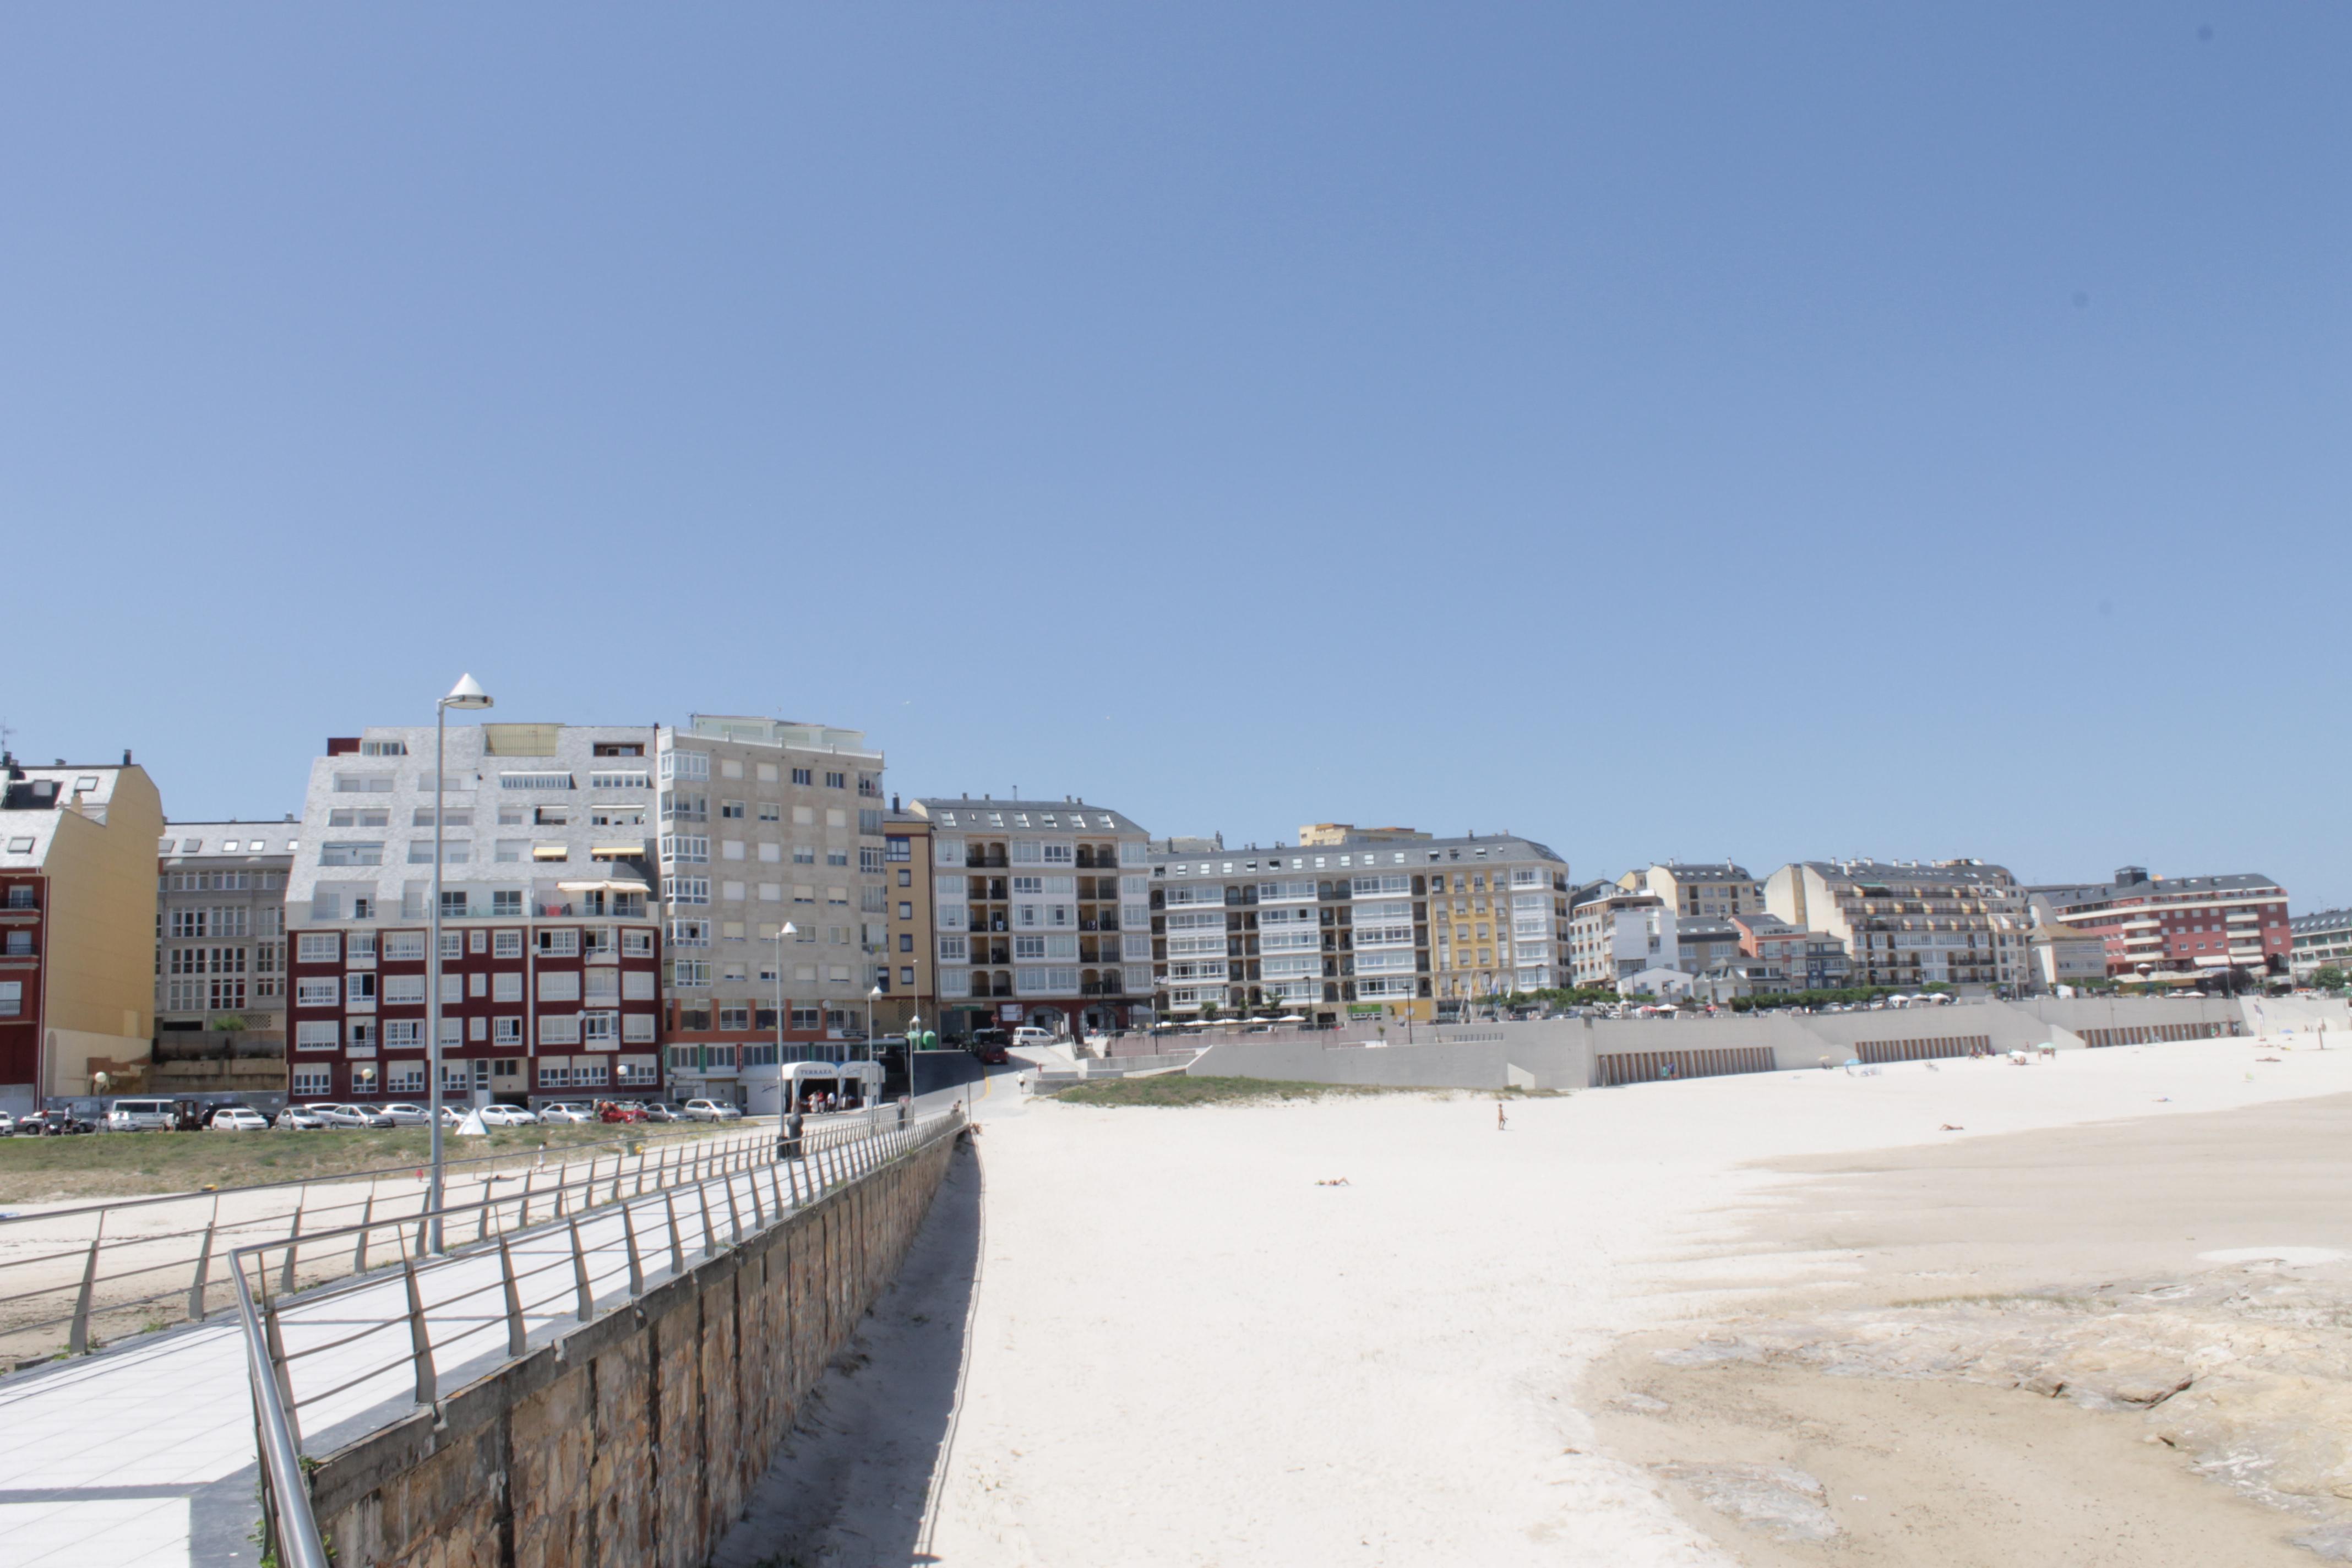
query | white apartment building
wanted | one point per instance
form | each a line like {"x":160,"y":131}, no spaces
{"x":1043,"y":911}
{"x":772,"y":854}
{"x":1382,"y":922}
{"x":1615,"y":935}
{"x":551,"y":944}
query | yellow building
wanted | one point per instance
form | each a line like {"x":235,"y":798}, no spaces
{"x":911,"y":991}
{"x":77,"y":928}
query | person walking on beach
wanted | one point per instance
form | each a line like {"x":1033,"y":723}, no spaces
{"x":1502,"y":1123}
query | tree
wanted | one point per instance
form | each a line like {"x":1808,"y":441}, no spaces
{"x":2329,"y":978}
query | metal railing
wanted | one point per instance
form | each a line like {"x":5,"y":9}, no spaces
{"x":409,"y":1323}
{"x":94,"y":1272}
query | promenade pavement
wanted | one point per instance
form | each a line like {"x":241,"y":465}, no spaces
{"x":144,"y":1458}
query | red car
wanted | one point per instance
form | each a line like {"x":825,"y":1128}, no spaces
{"x":617,"y":1110}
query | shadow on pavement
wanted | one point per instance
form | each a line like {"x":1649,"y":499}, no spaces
{"x":849,"y":1484}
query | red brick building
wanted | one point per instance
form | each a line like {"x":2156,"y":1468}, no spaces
{"x":2233,"y":922}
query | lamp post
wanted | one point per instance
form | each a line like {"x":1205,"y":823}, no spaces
{"x":783,"y":1109}
{"x":467,"y":693}
{"x":872,"y":997}
{"x":914,"y":1043}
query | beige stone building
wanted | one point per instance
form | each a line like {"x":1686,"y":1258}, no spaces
{"x":1905,"y":923}
{"x":906,"y":856}
{"x":1715,"y":890}
{"x":77,"y":928}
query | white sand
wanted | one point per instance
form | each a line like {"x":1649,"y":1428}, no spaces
{"x":1186,"y":1351}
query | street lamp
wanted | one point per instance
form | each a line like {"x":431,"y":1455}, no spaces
{"x":783,"y":930}
{"x":914,"y":1043}
{"x":872,"y":997}
{"x":467,"y":693}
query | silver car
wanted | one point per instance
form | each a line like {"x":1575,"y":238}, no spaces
{"x":345,"y":1116}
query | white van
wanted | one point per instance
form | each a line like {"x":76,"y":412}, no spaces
{"x":141,"y":1116}
{"x":1026,"y":1035}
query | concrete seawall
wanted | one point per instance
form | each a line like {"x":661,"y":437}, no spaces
{"x":636,"y":1439}
{"x":1584,"y":1053}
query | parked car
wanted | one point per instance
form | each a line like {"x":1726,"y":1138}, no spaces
{"x":7,"y":1124}
{"x":142,"y":1116}
{"x":406,"y":1115}
{"x":711,"y":1110}
{"x":988,"y":1046}
{"x":1026,"y":1035}
{"x":300,"y":1118}
{"x":621,"y":1110}
{"x":658,"y":1110}
{"x":53,"y":1124}
{"x":566,"y":1112}
{"x":347,"y":1116}
{"x":237,"y":1118}
{"x":509,"y":1116}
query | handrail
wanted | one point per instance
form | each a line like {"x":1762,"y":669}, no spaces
{"x":828,"y":1159}
{"x":91,"y":1265}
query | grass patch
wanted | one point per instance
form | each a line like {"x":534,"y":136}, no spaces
{"x":1180,"y":1089}
{"x":131,"y":1164}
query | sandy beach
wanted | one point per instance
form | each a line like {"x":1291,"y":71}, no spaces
{"x":1184,"y":1347}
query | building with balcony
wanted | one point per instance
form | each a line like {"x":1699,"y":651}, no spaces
{"x":1715,"y":890}
{"x":2236,"y":921}
{"x":1613,"y":935}
{"x":1704,"y":941}
{"x":220,"y":955}
{"x":1041,"y":915}
{"x":77,"y":928}
{"x":551,"y":953}
{"x":1907,"y":924}
{"x":1393,"y":923}
{"x":766,"y":824}
{"x":2318,"y":941}
{"x":906,"y":858}
{"x":1803,"y":960}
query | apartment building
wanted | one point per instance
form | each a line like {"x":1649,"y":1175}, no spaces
{"x":220,"y":926}
{"x":77,"y":928}
{"x":1614,"y":934}
{"x":1041,"y":911}
{"x":2065,"y":956}
{"x":2318,"y":941}
{"x":1704,"y":941}
{"x":907,"y":857}
{"x":551,"y":929}
{"x":2237,"y":920}
{"x":1803,"y":960}
{"x":1395,"y":924}
{"x":774,"y":892}
{"x":1714,"y":891}
{"x":1905,"y":923}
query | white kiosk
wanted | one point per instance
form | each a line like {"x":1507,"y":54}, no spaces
{"x":864,"y":1080}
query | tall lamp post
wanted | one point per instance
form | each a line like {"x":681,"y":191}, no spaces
{"x":872,"y":997}
{"x":467,"y":693}
{"x":783,"y":1109}
{"x":914,"y":1044}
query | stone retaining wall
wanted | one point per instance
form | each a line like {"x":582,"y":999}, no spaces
{"x":634,"y":1441}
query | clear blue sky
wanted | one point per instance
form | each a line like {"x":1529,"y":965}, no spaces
{"x":1774,"y":431}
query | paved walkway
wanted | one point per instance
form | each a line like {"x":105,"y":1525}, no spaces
{"x":143,"y":1457}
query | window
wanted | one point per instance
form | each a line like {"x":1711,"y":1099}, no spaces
{"x":353,"y":852}
{"x":836,"y":781}
{"x":363,"y":783}
{"x":621,"y":780}
{"x":403,"y":1033}
{"x":734,"y":1015}
{"x":837,"y":857}
{"x":313,"y":947}
{"x":402,"y":946}
{"x":400,"y":990}
{"x":733,"y":808}
{"x":687,"y":889}
{"x":326,"y":992}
